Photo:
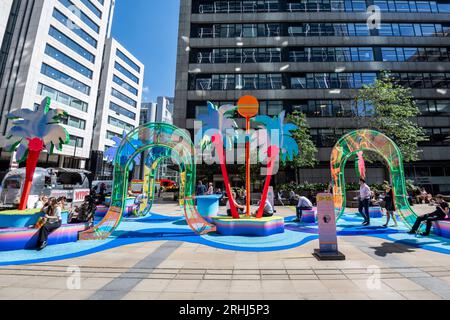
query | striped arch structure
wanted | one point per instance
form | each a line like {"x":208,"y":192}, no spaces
{"x":370,"y":140}
{"x":167,"y":139}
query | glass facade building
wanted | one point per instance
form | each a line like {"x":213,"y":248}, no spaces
{"x":313,"y":56}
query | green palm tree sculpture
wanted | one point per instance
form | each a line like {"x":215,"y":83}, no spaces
{"x":280,"y":143}
{"x":31,"y":133}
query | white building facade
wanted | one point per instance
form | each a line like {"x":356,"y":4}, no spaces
{"x":120,"y":96}
{"x":5,"y":9}
{"x":56,"y":50}
{"x":161,"y":111}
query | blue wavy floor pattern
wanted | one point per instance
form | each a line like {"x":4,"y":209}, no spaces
{"x":158,"y":228}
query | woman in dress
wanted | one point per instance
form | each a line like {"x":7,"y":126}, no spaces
{"x":389,"y":200}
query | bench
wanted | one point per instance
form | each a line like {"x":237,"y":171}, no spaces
{"x":442,"y":228}
{"x":23,"y":238}
{"x":309,"y":216}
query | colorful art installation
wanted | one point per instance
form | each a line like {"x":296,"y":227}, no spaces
{"x":148,"y":137}
{"x":264,"y":227}
{"x":33,"y":132}
{"x":376,"y":212}
{"x":24,"y":219}
{"x":360,"y":165}
{"x":26,"y":238}
{"x":370,"y":140}
{"x":309,"y":216}
{"x":442,"y":228}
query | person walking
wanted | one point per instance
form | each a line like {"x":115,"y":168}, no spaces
{"x":364,"y":201}
{"x":389,"y":203}
{"x":210,"y":191}
{"x":53,"y":221}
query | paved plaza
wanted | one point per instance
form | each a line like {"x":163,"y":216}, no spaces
{"x":375,"y":269}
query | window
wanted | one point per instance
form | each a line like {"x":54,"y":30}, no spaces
{"x":74,"y":122}
{"x":125,"y":85}
{"x":76,"y":142}
{"x":75,"y":28}
{"x":65,"y":79}
{"x":61,"y":97}
{"x":127,"y":73}
{"x":68,"y":61}
{"x":88,"y":21}
{"x":122,"y":111}
{"x":128,"y":61}
{"x":124,"y":98}
{"x":58,"y":35}
{"x":120,"y":124}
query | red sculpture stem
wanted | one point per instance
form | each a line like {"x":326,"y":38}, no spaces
{"x":218,"y":143}
{"x":35,"y":146}
{"x":273,"y":153}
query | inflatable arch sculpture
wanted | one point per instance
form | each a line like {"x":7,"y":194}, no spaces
{"x":148,"y":137}
{"x":370,"y":140}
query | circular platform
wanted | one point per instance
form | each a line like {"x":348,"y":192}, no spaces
{"x":227,"y":226}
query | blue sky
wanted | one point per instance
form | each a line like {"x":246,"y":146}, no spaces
{"x":149,"y":30}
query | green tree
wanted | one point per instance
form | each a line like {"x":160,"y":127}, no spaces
{"x":308,"y":151}
{"x":394,"y":110}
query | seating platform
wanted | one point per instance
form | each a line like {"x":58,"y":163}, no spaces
{"x":376,"y":212}
{"x":227,"y":226}
{"x":309,"y":216}
{"x":25,"y":238}
{"x":442,"y":228}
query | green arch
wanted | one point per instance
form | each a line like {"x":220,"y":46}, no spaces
{"x":370,"y":140}
{"x":149,"y":137}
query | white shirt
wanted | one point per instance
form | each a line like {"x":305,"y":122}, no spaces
{"x":365,"y":192}
{"x":304,"y":203}
{"x":268,"y":207}
{"x":39,"y":205}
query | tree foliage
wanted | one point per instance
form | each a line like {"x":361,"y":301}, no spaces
{"x":394,"y":110}
{"x":308,"y":150}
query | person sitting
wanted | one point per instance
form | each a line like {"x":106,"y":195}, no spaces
{"x":84,"y":213}
{"x":210,"y":191}
{"x":42,"y":201}
{"x":268,"y":209}
{"x":303,"y":204}
{"x":293,"y":198}
{"x":442,"y":210}
{"x":240,"y":208}
{"x":424,"y":197}
{"x":53,"y":221}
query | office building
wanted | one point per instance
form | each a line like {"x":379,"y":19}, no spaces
{"x":55,"y":50}
{"x":161,"y":111}
{"x":313,"y":56}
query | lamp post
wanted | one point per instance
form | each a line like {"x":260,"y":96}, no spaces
{"x":248,"y":107}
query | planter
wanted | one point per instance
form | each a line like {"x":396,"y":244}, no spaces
{"x":208,"y":206}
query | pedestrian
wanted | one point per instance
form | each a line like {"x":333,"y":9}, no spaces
{"x":365,"y":195}
{"x":200,"y":189}
{"x":389,"y":204}
{"x":210,"y":191}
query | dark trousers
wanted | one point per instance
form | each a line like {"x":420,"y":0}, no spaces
{"x":300,"y":211}
{"x":429,"y":218}
{"x":364,"y":209}
{"x":46,"y":230}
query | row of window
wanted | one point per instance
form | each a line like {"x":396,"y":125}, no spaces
{"x":110,"y":135}
{"x":253,"y":6}
{"x":76,"y":142}
{"x":61,"y":97}
{"x":130,"y":62}
{"x":92,"y":7}
{"x":125,"y":85}
{"x":122,"y":111}
{"x":65,"y":79}
{"x":62,"y":18}
{"x":318,"y":29}
{"x":125,"y":72}
{"x":68,"y":61}
{"x":80,"y":14}
{"x":322,"y":108}
{"x":74,"y":122}
{"x":120,"y":124}
{"x":62,"y":38}
{"x":318,"y":54}
{"x":279,"y":81}
{"x":119,"y":95}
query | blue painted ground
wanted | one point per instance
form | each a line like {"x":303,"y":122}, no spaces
{"x":160,"y":228}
